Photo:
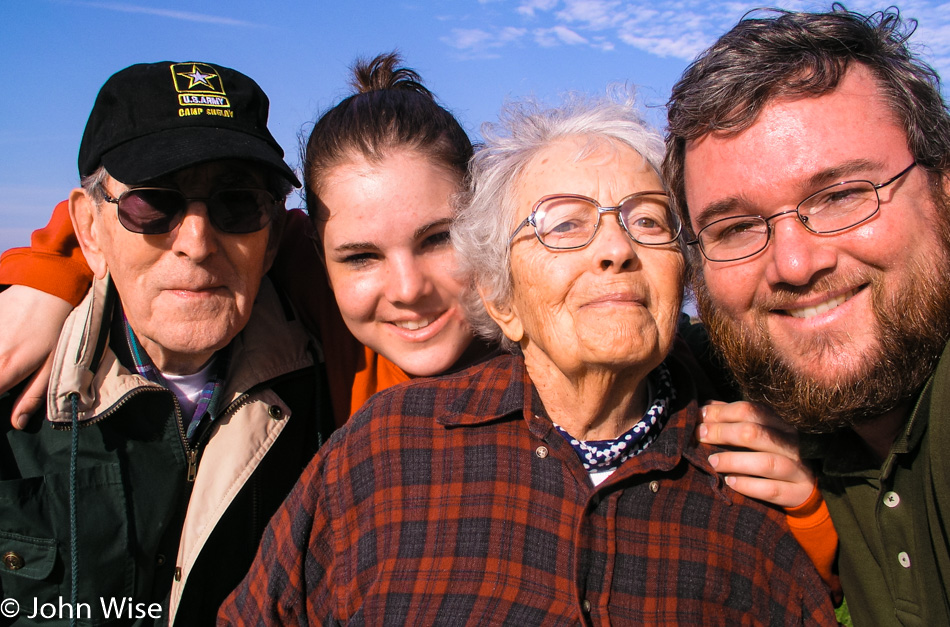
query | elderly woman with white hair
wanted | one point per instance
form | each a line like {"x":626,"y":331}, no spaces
{"x":557,"y":483}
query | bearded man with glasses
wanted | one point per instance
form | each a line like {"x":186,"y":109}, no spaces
{"x":808,"y":156}
{"x":185,"y":397}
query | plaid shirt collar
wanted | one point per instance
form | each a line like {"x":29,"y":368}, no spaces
{"x":518,"y":398}
{"x":210,"y":397}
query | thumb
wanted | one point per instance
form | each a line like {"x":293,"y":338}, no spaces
{"x":33,"y":396}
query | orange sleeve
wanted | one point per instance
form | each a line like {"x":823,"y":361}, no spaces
{"x":52,"y":263}
{"x":811,"y":525}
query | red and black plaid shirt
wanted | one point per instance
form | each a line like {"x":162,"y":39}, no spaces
{"x":454,"y":501}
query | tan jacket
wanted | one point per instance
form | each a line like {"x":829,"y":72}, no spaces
{"x":270,"y":347}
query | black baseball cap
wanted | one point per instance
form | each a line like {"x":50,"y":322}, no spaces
{"x":152,"y":119}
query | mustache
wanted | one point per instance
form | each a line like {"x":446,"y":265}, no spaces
{"x":783,"y":296}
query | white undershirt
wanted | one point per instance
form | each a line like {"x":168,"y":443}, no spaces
{"x":187,"y":387}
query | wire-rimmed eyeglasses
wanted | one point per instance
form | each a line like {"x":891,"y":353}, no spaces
{"x":570,"y":221}
{"x":830,"y":210}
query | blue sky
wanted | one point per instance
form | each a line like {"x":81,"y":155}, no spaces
{"x":474,"y":54}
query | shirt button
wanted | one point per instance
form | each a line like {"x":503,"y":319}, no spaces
{"x":654,"y":486}
{"x":904,"y":559}
{"x":541,"y":451}
{"x":160,"y":560}
{"x":13,"y":561}
{"x":586,"y":606}
{"x":892,"y":499}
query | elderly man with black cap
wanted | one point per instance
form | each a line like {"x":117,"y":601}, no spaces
{"x":185,"y":397}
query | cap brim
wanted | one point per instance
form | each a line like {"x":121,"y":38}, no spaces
{"x":147,"y":158}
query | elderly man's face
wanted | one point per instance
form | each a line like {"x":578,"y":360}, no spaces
{"x":808,"y":320}
{"x":611,"y":305}
{"x":189,"y":292}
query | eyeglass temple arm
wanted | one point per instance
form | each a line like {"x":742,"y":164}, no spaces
{"x":523,"y":224}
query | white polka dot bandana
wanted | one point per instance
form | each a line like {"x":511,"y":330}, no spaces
{"x":600,"y":455}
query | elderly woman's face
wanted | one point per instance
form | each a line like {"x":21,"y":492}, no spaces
{"x":613,"y":304}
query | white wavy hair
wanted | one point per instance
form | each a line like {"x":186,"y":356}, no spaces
{"x":486,"y":214}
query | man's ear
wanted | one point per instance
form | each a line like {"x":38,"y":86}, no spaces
{"x":269,"y":256}
{"x":87,"y":222}
{"x":275,"y":236}
{"x":505,"y":317}
{"x":945,"y":183}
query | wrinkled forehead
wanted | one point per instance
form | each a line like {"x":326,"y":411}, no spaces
{"x":600,"y":168}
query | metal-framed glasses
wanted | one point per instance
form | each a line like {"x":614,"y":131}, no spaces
{"x":158,"y":210}
{"x":830,"y":210}
{"x":570,"y":221}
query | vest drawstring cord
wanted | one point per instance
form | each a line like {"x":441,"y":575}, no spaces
{"x":73,"y":526}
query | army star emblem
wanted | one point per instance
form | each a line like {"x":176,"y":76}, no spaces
{"x":197,"y":77}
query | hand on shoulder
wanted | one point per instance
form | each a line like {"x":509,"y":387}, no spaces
{"x":763,"y":461}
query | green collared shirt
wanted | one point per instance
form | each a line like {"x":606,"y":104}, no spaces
{"x":892,"y":518}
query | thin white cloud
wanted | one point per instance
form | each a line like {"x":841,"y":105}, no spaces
{"x":186,"y":16}
{"x":550,"y":37}
{"x":469,"y":38}
{"x":602,"y":43}
{"x":530,"y":7}
{"x":677,"y":48}
{"x":593,"y":14}
{"x":511,"y":34}
{"x":481,"y":43}
{"x":679,"y":29}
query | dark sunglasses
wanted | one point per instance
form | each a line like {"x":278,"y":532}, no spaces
{"x":157,"y":210}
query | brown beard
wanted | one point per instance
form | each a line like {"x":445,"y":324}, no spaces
{"x":912,"y":329}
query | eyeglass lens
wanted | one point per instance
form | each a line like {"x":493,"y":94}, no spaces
{"x":839,"y":207}
{"x":152,"y":211}
{"x":570,"y":221}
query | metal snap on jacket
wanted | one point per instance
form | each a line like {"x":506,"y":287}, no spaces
{"x":275,"y":412}
{"x":12,"y":560}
